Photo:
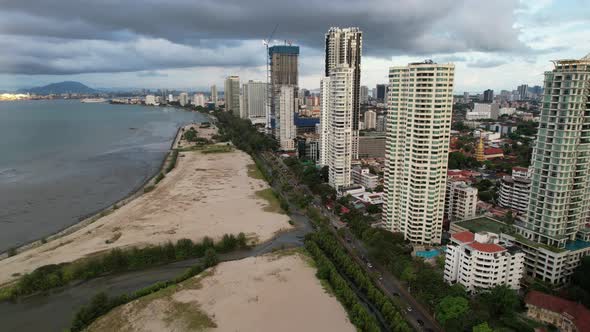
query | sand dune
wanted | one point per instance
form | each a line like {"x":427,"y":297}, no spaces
{"x":268,"y":293}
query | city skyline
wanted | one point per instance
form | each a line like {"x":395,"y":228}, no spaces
{"x":201,"y":52}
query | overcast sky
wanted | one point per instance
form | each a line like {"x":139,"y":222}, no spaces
{"x":191,"y":44}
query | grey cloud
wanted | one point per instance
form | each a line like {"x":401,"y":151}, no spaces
{"x":486,"y":63}
{"x":211,"y":30}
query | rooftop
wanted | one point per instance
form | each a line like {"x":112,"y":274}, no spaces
{"x":483,"y":224}
{"x":486,"y":247}
{"x":578,"y":313}
{"x":464,"y":237}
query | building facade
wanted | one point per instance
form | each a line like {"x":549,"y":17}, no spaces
{"x":232,"y":94}
{"x":344,"y":48}
{"x":336,"y":124}
{"x":483,"y":111}
{"x":363,"y":177}
{"x":199,"y":99}
{"x":287,"y":107}
{"x":370,"y":120}
{"x":183,"y":99}
{"x":559,"y":201}
{"x":460,"y":200}
{"x":284,"y":70}
{"x":515,"y":190}
{"x":566,"y":316}
{"x":364,"y":94}
{"x":372,"y":145}
{"x":419,"y":114}
{"x":479,"y":261}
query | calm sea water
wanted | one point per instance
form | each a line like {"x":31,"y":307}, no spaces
{"x":62,"y":160}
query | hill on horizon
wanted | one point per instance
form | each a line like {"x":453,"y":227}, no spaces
{"x":59,"y":88}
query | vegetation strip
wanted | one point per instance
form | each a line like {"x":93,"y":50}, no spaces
{"x":101,"y":304}
{"x":334,"y":251}
{"x":52,"y":276}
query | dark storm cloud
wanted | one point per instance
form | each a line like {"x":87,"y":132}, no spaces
{"x":102,"y":36}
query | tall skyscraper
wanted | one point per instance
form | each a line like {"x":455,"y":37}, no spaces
{"x":287,"y":106}
{"x":214,"y":94}
{"x":364,"y":94}
{"x":559,"y":202}
{"x":231,"y":94}
{"x":255,"y":98}
{"x":344,"y":47}
{"x":417,"y":149}
{"x":337,"y":135}
{"x":183,"y":99}
{"x":284,"y":62}
{"x":488,"y":96}
{"x":381,"y":90}
{"x":522,"y":91}
{"x":370,"y":120}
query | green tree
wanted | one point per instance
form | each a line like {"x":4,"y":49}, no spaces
{"x":501,"y":301}
{"x":483,"y":327}
{"x":210,"y":258}
{"x":409,"y":275}
{"x":451,"y":307}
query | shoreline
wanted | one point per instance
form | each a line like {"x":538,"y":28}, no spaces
{"x":92,"y":217}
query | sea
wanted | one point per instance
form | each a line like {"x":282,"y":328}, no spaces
{"x":63,"y":160}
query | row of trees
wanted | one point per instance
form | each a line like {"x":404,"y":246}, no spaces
{"x":358,"y":314}
{"x":346,"y":265}
{"x":242,"y":134}
{"x":117,"y":260}
{"x":101,"y":303}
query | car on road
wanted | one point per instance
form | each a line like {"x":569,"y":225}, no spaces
{"x":370,"y":265}
{"x":396,"y":294}
{"x":409,"y":309}
{"x":420,"y":322}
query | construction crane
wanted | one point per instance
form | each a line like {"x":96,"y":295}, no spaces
{"x":266,"y":43}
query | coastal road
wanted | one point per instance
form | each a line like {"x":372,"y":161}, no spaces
{"x":413,"y":311}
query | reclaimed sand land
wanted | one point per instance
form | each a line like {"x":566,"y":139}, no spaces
{"x":205,"y":195}
{"x":275,"y":292}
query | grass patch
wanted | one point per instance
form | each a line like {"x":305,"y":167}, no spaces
{"x":190,"y":314}
{"x":254,"y":172}
{"x":160,"y":177}
{"x":6,"y":293}
{"x":149,"y":188}
{"x":173,"y":159}
{"x":217,"y":149}
{"x":274,"y":205}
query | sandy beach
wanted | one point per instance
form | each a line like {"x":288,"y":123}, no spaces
{"x":275,"y":292}
{"x":205,"y":195}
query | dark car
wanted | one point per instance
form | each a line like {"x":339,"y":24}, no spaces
{"x":420,"y":322}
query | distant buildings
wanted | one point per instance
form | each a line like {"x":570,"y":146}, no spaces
{"x":253,"y":102}
{"x":515,"y":190}
{"x":213,"y":94}
{"x":231,"y":94}
{"x":199,"y":99}
{"x":381,"y":123}
{"x":381,"y":91}
{"x":480,"y":261}
{"x":370,"y":120}
{"x":522,"y":92}
{"x":364,"y":95}
{"x":339,"y":123}
{"x":417,"y":150}
{"x":488,"y":96}
{"x":150,"y":100}
{"x":183,"y":99}
{"x":460,"y":200}
{"x":483,"y":111}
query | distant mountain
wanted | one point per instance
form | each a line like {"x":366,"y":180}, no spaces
{"x":59,"y":88}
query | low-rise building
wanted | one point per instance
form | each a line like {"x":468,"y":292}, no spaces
{"x":150,"y":100}
{"x":483,"y":111}
{"x":563,"y":314}
{"x":547,"y":263}
{"x":486,"y":135}
{"x":515,"y":190}
{"x":481,"y":261}
{"x":363,"y":177}
{"x":460,"y":200}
